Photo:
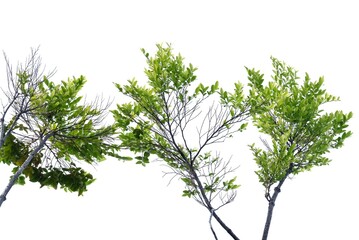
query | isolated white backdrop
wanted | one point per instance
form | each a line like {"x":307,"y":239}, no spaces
{"x":101,"y":40}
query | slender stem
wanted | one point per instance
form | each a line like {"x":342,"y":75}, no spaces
{"x":224,"y":226}
{"x":272,"y":200}
{"x":2,"y":131}
{"x":210,"y":224}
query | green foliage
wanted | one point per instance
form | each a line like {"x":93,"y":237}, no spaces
{"x":292,"y":115}
{"x":13,"y":151}
{"x":229,"y":185}
{"x":76,"y":134}
{"x":158,"y":122}
{"x":168,"y":79}
{"x":72,"y":178}
{"x":235,"y":100}
{"x":75,"y":125}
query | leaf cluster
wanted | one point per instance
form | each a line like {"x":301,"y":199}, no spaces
{"x":292,"y":114}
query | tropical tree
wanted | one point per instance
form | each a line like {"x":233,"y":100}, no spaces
{"x":164,"y":120}
{"x":301,"y":132}
{"x":46,"y":129}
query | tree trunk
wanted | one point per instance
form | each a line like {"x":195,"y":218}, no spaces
{"x":271,"y":203}
{"x":22,"y":168}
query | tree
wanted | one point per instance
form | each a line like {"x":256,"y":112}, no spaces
{"x":301,"y":132}
{"x":46,"y":128}
{"x":161,"y":121}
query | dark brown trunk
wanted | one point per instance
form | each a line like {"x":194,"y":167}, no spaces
{"x":272,"y":200}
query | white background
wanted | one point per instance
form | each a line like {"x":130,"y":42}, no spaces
{"x":101,"y":40}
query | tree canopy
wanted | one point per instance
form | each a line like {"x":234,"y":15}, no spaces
{"x":47,"y":129}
